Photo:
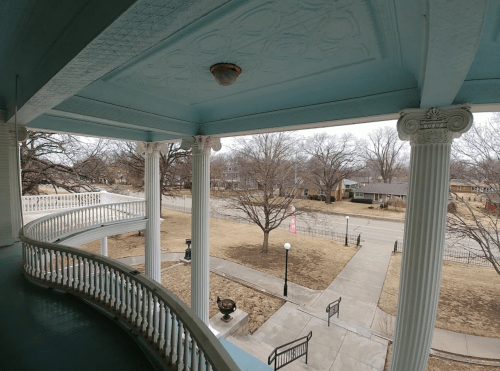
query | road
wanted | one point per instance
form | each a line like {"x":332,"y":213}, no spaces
{"x":384,"y":232}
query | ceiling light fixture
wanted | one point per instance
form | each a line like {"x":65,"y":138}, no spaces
{"x":225,"y":73}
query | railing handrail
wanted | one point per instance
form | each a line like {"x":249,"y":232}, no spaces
{"x":273,"y":357}
{"x":197,"y":327}
{"x":31,"y":226}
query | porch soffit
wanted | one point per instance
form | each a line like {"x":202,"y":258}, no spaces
{"x":305,"y":63}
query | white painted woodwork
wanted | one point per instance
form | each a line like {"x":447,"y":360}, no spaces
{"x":152,"y":192}
{"x":104,"y":246}
{"x":430,"y":133}
{"x":166,"y":323}
{"x":6,"y":226}
{"x":200,"y":222}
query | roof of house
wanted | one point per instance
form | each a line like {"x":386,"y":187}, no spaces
{"x":348,"y":182}
{"x":385,"y":188}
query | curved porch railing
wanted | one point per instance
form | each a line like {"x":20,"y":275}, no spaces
{"x":56,"y":226}
{"x":174,"y":333}
{"x":42,"y":203}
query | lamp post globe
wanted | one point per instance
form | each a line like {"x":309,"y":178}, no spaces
{"x":346,"y":229}
{"x":287,"y":247}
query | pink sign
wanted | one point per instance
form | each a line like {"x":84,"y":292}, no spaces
{"x":292,"y":225}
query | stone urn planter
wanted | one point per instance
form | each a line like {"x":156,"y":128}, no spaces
{"x":226,"y":307}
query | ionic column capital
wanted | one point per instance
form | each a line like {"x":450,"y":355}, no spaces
{"x":435,"y":125}
{"x":201,"y":144}
{"x":151,"y":148}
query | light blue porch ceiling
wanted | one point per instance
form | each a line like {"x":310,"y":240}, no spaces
{"x":305,"y":62}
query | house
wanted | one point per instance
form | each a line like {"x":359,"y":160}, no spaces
{"x":350,"y":185}
{"x":380,"y":192}
{"x":459,"y":186}
{"x":308,"y":188}
{"x":156,"y":71}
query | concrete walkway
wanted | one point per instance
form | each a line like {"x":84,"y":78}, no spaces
{"x":353,"y":341}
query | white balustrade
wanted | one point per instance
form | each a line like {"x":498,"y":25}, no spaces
{"x":179,"y":338}
{"x":45,"y":203}
{"x":171,"y":328}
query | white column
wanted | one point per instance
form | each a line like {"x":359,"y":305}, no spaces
{"x":104,"y":246}
{"x":430,"y":133}
{"x":200,"y":223}
{"x":15,"y":182}
{"x":152,"y":193}
{"x":6,"y":223}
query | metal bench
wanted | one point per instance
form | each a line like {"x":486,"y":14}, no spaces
{"x":333,"y":309}
{"x":293,"y":350}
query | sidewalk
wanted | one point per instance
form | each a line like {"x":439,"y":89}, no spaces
{"x":353,"y":341}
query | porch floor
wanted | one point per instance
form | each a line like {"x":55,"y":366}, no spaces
{"x":44,"y":329}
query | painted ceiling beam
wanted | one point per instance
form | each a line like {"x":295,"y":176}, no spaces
{"x":93,"y":110}
{"x":347,"y":111}
{"x":57,"y":124}
{"x":451,"y":35}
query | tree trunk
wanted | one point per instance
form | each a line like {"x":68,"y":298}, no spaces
{"x":328,"y":195}
{"x":265,"y":244}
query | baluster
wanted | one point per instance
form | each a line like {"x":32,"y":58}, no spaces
{"x":209,"y":366}
{"x":58,"y":271}
{"x":42,"y":263}
{"x":64,"y":277}
{"x":52,"y":275}
{"x":129,"y":299}
{"x":75,"y":273}
{"x":186,"y":349}
{"x":117,"y":291}
{"x":168,"y":338}
{"x":91,"y":278}
{"x":138,"y":313}
{"x":202,"y":366}
{"x":123,"y":295}
{"x":86,"y":274}
{"x":103,"y":281}
{"x":151,"y":310}
{"x":156,"y":320}
{"x":173,"y":337}
{"x":180,"y":330}
{"x":194,"y":364}
{"x":111,"y":288}
{"x":145,"y":310}
{"x":81,"y":273}
{"x":161,"y":327}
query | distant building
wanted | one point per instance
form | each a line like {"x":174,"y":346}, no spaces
{"x":379,"y":192}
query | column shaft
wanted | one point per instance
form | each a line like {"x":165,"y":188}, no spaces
{"x":6,"y":194}
{"x":104,"y":246}
{"x":152,"y":233}
{"x":200,"y":234}
{"x":422,"y":261}
{"x":430,"y":133}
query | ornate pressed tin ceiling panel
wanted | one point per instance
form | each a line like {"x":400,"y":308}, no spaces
{"x":273,"y":42}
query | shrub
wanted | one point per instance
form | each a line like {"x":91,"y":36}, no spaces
{"x":362,"y":201}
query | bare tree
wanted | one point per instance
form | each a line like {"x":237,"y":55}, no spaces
{"x":48,"y":159}
{"x":477,"y":165}
{"x":175,"y":165}
{"x":385,"y":153}
{"x":332,"y":159}
{"x":265,"y":163}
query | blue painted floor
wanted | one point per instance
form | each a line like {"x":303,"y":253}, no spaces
{"x":44,"y":330}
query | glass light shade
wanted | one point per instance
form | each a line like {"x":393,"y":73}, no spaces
{"x":225,"y":73}
{"x":347,"y":217}
{"x":287,"y":246}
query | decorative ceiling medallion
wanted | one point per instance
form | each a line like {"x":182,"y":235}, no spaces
{"x":225,"y":73}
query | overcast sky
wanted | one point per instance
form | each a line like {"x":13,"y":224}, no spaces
{"x":359,"y":130}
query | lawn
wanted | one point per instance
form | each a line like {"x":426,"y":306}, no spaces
{"x":313,"y":262}
{"x":469,"y":301}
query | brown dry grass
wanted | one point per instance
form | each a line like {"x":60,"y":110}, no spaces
{"x":313,"y":262}
{"x":469,"y":301}
{"x":348,"y":207}
{"x":258,"y":305}
{"x":439,"y":364}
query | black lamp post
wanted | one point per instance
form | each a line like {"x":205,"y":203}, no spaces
{"x":346,"y":229}
{"x":287,"y":247}
{"x":187,"y":255}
